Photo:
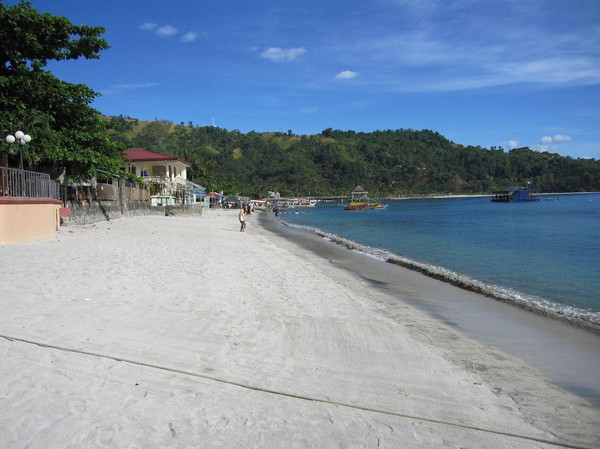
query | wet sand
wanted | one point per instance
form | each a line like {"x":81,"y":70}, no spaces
{"x":565,"y":354}
{"x":184,"y":332}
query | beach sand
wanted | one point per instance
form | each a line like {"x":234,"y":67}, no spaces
{"x":182,"y":332}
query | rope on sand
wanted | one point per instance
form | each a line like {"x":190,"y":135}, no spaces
{"x":297,"y":396}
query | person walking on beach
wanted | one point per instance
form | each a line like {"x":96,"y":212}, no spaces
{"x":242,"y":217}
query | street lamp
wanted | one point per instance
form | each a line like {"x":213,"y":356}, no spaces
{"x":22,"y":138}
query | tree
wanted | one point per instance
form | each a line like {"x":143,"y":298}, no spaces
{"x":66,"y":131}
{"x":153,"y":136}
{"x":387,"y":162}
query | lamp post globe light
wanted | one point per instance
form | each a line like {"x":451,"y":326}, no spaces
{"x":22,"y":138}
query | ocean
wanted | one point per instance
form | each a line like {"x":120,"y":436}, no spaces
{"x":540,"y":256}
{"x":543,"y":255}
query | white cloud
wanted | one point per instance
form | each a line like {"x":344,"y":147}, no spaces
{"x":277,"y":54}
{"x":309,"y":110}
{"x":428,"y":52}
{"x":512,"y":144}
{"x":118,"y":88}
{"x":546,"y":141}
{"x":166,"y":31}
{"x":346,"y":75}
{"x":190,"y":36}
{"x":148,"y":26}
{"x":562,"y":138}
{"x":557,"y":138}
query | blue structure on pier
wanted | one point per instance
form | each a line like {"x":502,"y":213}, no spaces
{"x":514,"y":195}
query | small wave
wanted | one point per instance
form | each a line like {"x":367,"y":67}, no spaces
{"x":574,"y":315}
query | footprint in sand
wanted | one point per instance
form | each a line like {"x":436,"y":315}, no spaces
{"x":219,"y":425}
{"x":77,"y":407}
{"x":104,"y":437}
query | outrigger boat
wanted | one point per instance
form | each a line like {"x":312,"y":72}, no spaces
{"x":363,"y":202}
{"x":362,"y":205}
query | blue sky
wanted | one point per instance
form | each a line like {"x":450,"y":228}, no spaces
{"x":491,"y":73}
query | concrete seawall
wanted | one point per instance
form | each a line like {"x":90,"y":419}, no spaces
{"x":86,"y":212}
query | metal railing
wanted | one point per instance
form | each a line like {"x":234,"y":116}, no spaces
{"x":15,"y":183}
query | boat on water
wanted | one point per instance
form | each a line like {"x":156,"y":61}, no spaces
{"x":296,"y":202}
{"x":362,"y":205}
{"x":514,"y":195}
{"x":356,"y":205}
{"x":361,"y":201}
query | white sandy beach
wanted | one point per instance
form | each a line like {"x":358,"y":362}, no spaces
{"x":182,"y":332}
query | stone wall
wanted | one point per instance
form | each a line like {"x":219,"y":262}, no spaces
{"x":85,"y":212}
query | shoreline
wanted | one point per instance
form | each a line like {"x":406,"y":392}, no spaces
{"x":465,"y":283}
{"x":572,"y":315}
{"x":573,"y":335}
{"x":160,"y":331}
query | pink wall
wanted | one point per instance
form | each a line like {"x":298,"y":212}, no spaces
{"x":25,"y":219}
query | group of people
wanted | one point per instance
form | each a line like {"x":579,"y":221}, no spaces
{"x":245,"y":210}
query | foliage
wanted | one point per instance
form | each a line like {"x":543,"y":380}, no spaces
{"x":399,"y":162}
{"x":66,"y":132}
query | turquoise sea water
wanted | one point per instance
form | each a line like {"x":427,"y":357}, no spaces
{"x":543,"y":254}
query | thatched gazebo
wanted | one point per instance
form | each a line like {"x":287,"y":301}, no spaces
{"x":359,"y":193}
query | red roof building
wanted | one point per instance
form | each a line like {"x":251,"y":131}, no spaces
{"x":141,"y":155}
{"x":156,"y":166}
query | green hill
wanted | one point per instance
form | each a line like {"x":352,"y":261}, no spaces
{"x":391,"y":162}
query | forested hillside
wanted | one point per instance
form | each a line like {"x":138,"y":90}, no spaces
{"x":400,"y":162}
